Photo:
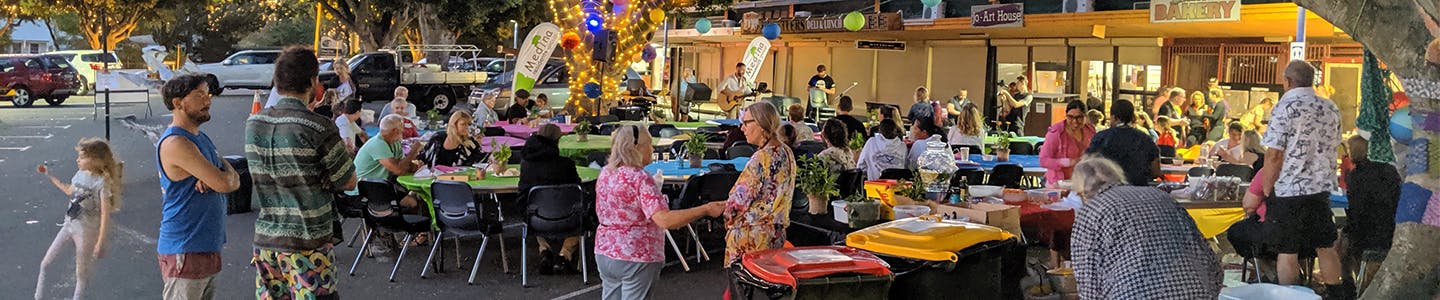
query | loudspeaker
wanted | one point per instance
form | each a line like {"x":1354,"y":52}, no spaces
{"x":604,"y":47}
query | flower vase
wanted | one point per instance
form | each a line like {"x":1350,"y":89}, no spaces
{"x":695,"y":160}
{"x":1002,"y":155}
{"x":498,"y":167}
{"x":819,"y":205}
{"x":584,"y":138}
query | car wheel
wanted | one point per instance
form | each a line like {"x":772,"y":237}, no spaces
{"x":215,"y":88}
{"x":84,"y":88}
{"x":23,"y":98}
{"x":55,"y":101}
{"x":442,"y":102}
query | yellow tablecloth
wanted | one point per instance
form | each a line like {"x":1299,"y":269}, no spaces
{"x":1214,"y":221}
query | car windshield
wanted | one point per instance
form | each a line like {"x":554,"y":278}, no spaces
{"x":98,"y":57}
{"x":57,"y":62}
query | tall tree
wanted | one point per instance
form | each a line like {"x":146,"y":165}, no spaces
{"x":1405,"y":35}
{"x":120,"y":17}
{"x":378,"y":23}
{"x":11,"y":11}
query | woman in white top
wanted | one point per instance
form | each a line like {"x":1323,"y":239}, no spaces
{"x":968,"y":129}
{"x":345,"y":90}
{"x":885,"y":150}
{"x":1231,"y":149}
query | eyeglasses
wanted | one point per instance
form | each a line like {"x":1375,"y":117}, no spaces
{"x":746,"y":122}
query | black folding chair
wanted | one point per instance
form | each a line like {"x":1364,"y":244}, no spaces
{"x":381,"y":196}
{"x":1022,"y":148}
{"x":699,"y":190}
{"x":1242,"y":171}
{"x":494,"y":131}
{"x":598,"y":158}
{"x":350,"y":207}
{"x":1006,"y":175}
{"x":740,"y":150}
{"x":556,"y":211}
{"x":970,"y":176}
{"x":897,"y":174}
{"x":463,"y":215}
{"x":850,"y":182}
{"x":606,"y":129}
{"x":1200,"y":172}
{"x":657,"y":129}
{"x":809,"y":148}
{"x":669,"y":132}
{"x":602,"y":119}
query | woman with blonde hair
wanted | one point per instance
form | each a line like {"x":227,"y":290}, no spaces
{"x":94,"y":193}
{"x":455,"y":146}
{"x":633,"y":214}
{"x":968,"y":131}
{"x":1135,"y":242}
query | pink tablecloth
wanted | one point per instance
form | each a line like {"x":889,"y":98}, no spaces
{"x":523,"y":131}
{"x":487,"y":142}
{"x":1049,"y":227}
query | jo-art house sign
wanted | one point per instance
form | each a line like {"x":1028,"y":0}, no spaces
{"x":998,"y":15}
{"x":1177,"y":11}
{"x":751,"y":23}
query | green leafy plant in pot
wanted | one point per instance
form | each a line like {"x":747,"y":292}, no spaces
{"x":499,"y":158}
{"x":1002,"y":145}
{"x":695,"y":148}
{"x":583,"y":130}
{"x":863,"y":211}
{"x":815,"y":179}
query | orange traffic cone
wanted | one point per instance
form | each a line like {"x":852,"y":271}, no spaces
{"x":255,"y":105}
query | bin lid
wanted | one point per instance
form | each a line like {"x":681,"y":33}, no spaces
{"x":789,"y":265}
{"x":925,"y":237}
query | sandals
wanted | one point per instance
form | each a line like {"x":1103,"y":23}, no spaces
{"x":421,"y":239}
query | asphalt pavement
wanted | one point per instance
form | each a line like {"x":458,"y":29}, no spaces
{"x":32,"y":209}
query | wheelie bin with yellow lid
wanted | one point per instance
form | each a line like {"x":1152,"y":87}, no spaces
{"x":945,"y":259}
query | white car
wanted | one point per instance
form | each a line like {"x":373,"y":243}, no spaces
{"x":245,"y":69}
{"x":87,"y":63}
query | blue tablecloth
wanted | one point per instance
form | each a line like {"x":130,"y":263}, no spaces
{"x":1339,"y":201}
{"x":1026,"y":161}
{"x":682,"y":168}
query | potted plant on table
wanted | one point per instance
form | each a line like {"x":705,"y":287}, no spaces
{"x":695,"y":148}
{"x":1002,"y":145}
{"x":583,"y":129}
{"x":856,"y":144}
{"x":815,"y":179}
{"x":499,"y":158}
{"x":863,"y":211}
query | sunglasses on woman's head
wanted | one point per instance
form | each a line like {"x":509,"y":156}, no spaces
{"x":636,"y":134}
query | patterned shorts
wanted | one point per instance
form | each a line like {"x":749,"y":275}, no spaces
{"x":294,"y":275}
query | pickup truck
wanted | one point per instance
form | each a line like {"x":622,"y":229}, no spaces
{"x":376,"y":74}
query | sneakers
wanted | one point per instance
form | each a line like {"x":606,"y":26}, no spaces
{"x":565,"y":266}
{"x":1343,"y":291}
{"x":547,"y":262}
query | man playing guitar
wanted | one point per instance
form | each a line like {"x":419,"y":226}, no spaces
{"x":734,"y":90}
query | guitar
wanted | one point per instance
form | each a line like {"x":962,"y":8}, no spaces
{"x":729,"y":102}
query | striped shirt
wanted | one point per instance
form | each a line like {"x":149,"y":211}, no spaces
{"x":297,"y":161}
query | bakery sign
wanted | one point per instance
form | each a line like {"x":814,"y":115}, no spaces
{"x":751,"y":23}
{"x":997,"y":15}
{"x":1178,"y":11}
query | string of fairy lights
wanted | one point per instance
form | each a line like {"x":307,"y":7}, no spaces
{"x":629,"y":21}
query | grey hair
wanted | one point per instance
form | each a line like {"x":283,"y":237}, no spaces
{"x":1301,"y":73}
{"x":391,"y":121}
{"x":1093,"y":173}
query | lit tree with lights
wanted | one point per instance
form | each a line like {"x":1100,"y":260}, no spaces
{"x":629,"y":22}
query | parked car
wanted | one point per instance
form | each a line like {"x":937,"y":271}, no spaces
{"x":24,"y":78}
{"x":490,"y":65}
{"x":376,"y":74}
{"x":253,"y":69}
{"x":87,"y":63}
{"x":553,"y":83}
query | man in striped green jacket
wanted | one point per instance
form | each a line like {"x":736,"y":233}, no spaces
{"x":298,"y":162}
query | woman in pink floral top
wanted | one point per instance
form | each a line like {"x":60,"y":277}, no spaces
{"x":630,"y":244}
{"x":758,"y":210}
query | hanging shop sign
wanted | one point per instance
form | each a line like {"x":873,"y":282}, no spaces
{"x":997,"y":15}
{"x":1178,"y":11}
{"x":880,"y":45}
{"x":752,"y":23}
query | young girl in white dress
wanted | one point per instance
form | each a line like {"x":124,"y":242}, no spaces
{"x":94,"y":193}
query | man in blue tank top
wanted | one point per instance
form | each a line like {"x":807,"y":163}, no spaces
{"x":195,"y":181}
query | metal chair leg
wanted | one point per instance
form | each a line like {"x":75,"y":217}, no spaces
{"x":484,"y":240}
{"x":698,"y":245}
{"x":356,"y":236}
{"x":584,"y":264}
{"x":364,"y":247}
{"x":680,"y":255}
{"x":439,"y":238}
{"x":524,"y":257}
{"x":504,"y":258}
{"x":403,"y":247}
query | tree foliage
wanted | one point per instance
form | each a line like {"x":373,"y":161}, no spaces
{"x":377,"y":23}
{"x":119,"y":17}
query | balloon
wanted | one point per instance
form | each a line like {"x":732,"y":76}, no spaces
{"x":854,"y":21}
{"x":930,"y":3}
{"x":592,"y":90}
{"x":570,"y":40}
{"x":1402,"y":126}
{"x":703,"y":26}
{"x":648,"y":53}
{"x":657,"y":15}
{"x":620,"y":2}
{"x":771,"y":31}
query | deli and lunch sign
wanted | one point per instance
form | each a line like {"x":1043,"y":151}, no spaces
{"x":752,"y":22}
{"x":1178,"y":11}
{"x":997,"y":15}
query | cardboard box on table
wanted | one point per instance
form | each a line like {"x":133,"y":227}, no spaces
{"x":1005,"y":217}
